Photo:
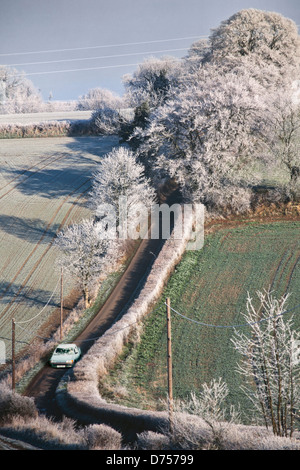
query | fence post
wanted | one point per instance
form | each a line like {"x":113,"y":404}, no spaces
{"x":13,"y":342}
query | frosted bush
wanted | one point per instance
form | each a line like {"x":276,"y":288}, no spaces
{"x":45,"y":433}
{"x":100,"y":436}
{"x":13,"y":404}
{"x":150,"y":440}
{"x":106,"y":121}
{"x":99,"y":98}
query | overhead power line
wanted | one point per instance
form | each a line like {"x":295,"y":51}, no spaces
{"x":96,"y":58}
{"x":41,"y":311}
{"x":232,"y":326}
{"x":79,"y":69}
{"x":101,"y":46}
{"x":85,"y":48}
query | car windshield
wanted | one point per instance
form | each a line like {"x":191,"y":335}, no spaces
{"x":64,"y":351}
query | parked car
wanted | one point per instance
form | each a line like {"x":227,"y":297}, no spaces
{"x":65,"y":355}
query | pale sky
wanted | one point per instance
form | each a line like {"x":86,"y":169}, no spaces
{"x":34,"y":31}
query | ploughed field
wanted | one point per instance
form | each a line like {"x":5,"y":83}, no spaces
{"x":44,"y":185}
{"x":208,"y":286}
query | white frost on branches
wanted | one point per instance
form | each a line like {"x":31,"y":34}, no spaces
{"x":151,"y":81}
{"x":119,"y":178}
{"x":264,"y":37}
{"x":207,"y":131}
{"x":17,"y":93}
{"x":85,"y":254}
{"x":204,"y":136}
{"x":281,"y":133}
{"x":270,"y":362}
{"x":99,"y":98}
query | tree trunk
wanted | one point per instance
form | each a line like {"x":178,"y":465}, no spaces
{"x":295,"y":173}
{"x":86,"y":297}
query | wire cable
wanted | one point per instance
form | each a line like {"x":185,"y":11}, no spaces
{"x":95,"y":58}
{"x":232,"y":326}
{"x":82,"y":69}
{"x":77,"y":70}
{"x":33,"y":318}
{"x":102,"y":46}
{"x":6,"y":54}
{"x":17,"y":341}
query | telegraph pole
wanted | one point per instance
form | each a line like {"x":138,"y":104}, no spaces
{"x":169,"y":362}
{"x":61,"y":304}
{"x":13,"y":342}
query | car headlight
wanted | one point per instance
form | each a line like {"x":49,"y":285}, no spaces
{"x":70,"y":361}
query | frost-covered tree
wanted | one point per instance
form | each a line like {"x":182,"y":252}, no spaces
{"x":151,"y":81}
{"x":206,"y":132}
{"x":99,"y":98}
{"x":264,"y":46}
{"x":210,"y":405}
{"x":18,"y":94}
{"x":84,"y":254}
{"x":270,"y":362}
{"x":281,"y":134}
{"x":106,"y":121}
{"x":106,"y":106}
{"x":204,"y":136}
{"x":266,"y":37}
{"x":146,"y":89}
{"x":265,"y":43}
{"x":120,"y":183}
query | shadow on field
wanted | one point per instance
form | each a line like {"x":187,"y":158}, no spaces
{"x":55,"y":182}
{"x":63,"y":172}
{"x":94,"y":145}
{"x":30,"y":296}
{"x":32,"y":230}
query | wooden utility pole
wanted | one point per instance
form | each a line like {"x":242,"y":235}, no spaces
{"x":13,"y":354}
{"x":169,"y":361}
{"x":61,"y":303}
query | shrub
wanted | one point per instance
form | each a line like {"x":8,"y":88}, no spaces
{"x":100,"y":436}
{"x":105,"y":121}
{"x":99,"y":98}
{"x":150,"y":440}
{"x":13,"y":404}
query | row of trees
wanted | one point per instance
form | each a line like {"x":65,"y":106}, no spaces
{"x":207,"y":121}
{"x":92,"y":247}
{"x":231,"y":103}
{"x":19,"y":95}
{"x":210,"y":119}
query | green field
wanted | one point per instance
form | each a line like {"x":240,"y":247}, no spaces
{"x":210,"y":286}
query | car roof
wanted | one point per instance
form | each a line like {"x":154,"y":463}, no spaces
{"x":66,"y":345}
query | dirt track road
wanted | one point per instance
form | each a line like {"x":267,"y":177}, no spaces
{"x":43,"y":386}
